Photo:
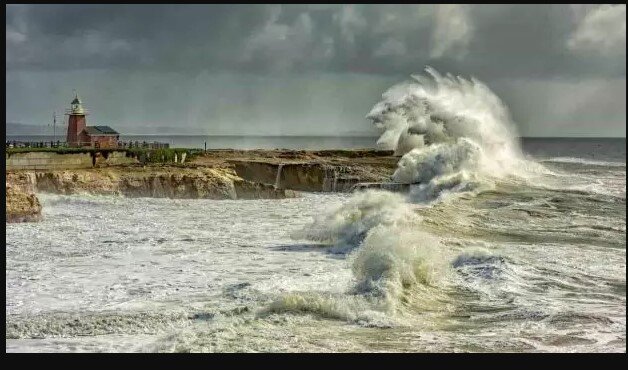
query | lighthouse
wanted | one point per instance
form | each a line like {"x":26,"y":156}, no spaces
{"x":76,"y":121}
{"x":81,"y":135}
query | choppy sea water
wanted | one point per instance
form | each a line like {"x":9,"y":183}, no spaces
{"x":525,"y":267}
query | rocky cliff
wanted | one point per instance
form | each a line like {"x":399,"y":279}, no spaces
{"x":156,"y":182}
{"x":219,"y":174}
{"x":21,"y":203}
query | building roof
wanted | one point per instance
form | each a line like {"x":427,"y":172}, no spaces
{"x":100,"y":130}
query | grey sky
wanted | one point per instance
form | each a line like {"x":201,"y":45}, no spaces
{"x":311,"y":69}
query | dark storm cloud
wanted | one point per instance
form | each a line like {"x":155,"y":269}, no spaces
{"x":160,"y":59}
{"x":128,"y":36}
{"x":499,"y":40}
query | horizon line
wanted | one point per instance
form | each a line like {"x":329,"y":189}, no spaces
{"x":329,"y":135}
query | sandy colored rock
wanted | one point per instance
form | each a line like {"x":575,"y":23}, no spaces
{"x":177,"y":182}
{"x":216,"y":174}
{"x":21,"y":206}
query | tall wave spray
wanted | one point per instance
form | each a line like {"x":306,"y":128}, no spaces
{"x":448,"y":129}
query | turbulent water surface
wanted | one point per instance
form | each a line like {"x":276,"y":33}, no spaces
{"x":521,"y":267}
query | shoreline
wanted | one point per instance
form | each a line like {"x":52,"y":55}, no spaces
{"x":212,"y":174}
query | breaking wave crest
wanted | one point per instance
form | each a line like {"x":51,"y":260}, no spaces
{"x":423,"y":165}
{"x":346,"y":226}
{"x":392,"y":260}
{"x":394,"y":263}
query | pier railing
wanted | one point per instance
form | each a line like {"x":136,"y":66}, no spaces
{"x":35,"y":144}
{"x":63,"y":144}
{"x":143,"y":144}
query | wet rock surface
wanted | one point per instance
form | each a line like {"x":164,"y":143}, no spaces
{"x":156,"y":182}
{"x":22,"y":204}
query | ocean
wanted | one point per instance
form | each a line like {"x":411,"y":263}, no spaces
{"x":525,"y":266}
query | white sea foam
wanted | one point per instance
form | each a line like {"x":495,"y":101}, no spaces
{"x":392,"y":259}
{"x":347,"y":225}
{"x":425,"y":164}
{"x":393,"y":267}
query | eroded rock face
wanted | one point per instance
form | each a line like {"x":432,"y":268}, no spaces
{"x":21,"y":203}
{"x":265,"y":173}
{"x":274,"y":175}
{"x":252,"y":190}
{"x":187,"y":185}
{"x":309,"y":176}
{"x":304,"y":177}
{"x":158,"y":182}
{"x":25,"y":181}
{"x":76,"y":181}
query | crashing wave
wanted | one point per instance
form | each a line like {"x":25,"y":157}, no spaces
{"x":454,"y":136}
{"x":444,"y":125}
{"x":441,"y":109}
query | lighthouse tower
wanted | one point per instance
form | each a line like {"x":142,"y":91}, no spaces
{"x":76,"y":121}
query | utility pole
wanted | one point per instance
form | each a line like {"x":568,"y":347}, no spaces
{"x":54,"y":125}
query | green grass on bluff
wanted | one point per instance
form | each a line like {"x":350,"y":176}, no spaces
{"x":143,"y":154}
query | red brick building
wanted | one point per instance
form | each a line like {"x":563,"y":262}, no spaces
{"x":81,"y":135}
